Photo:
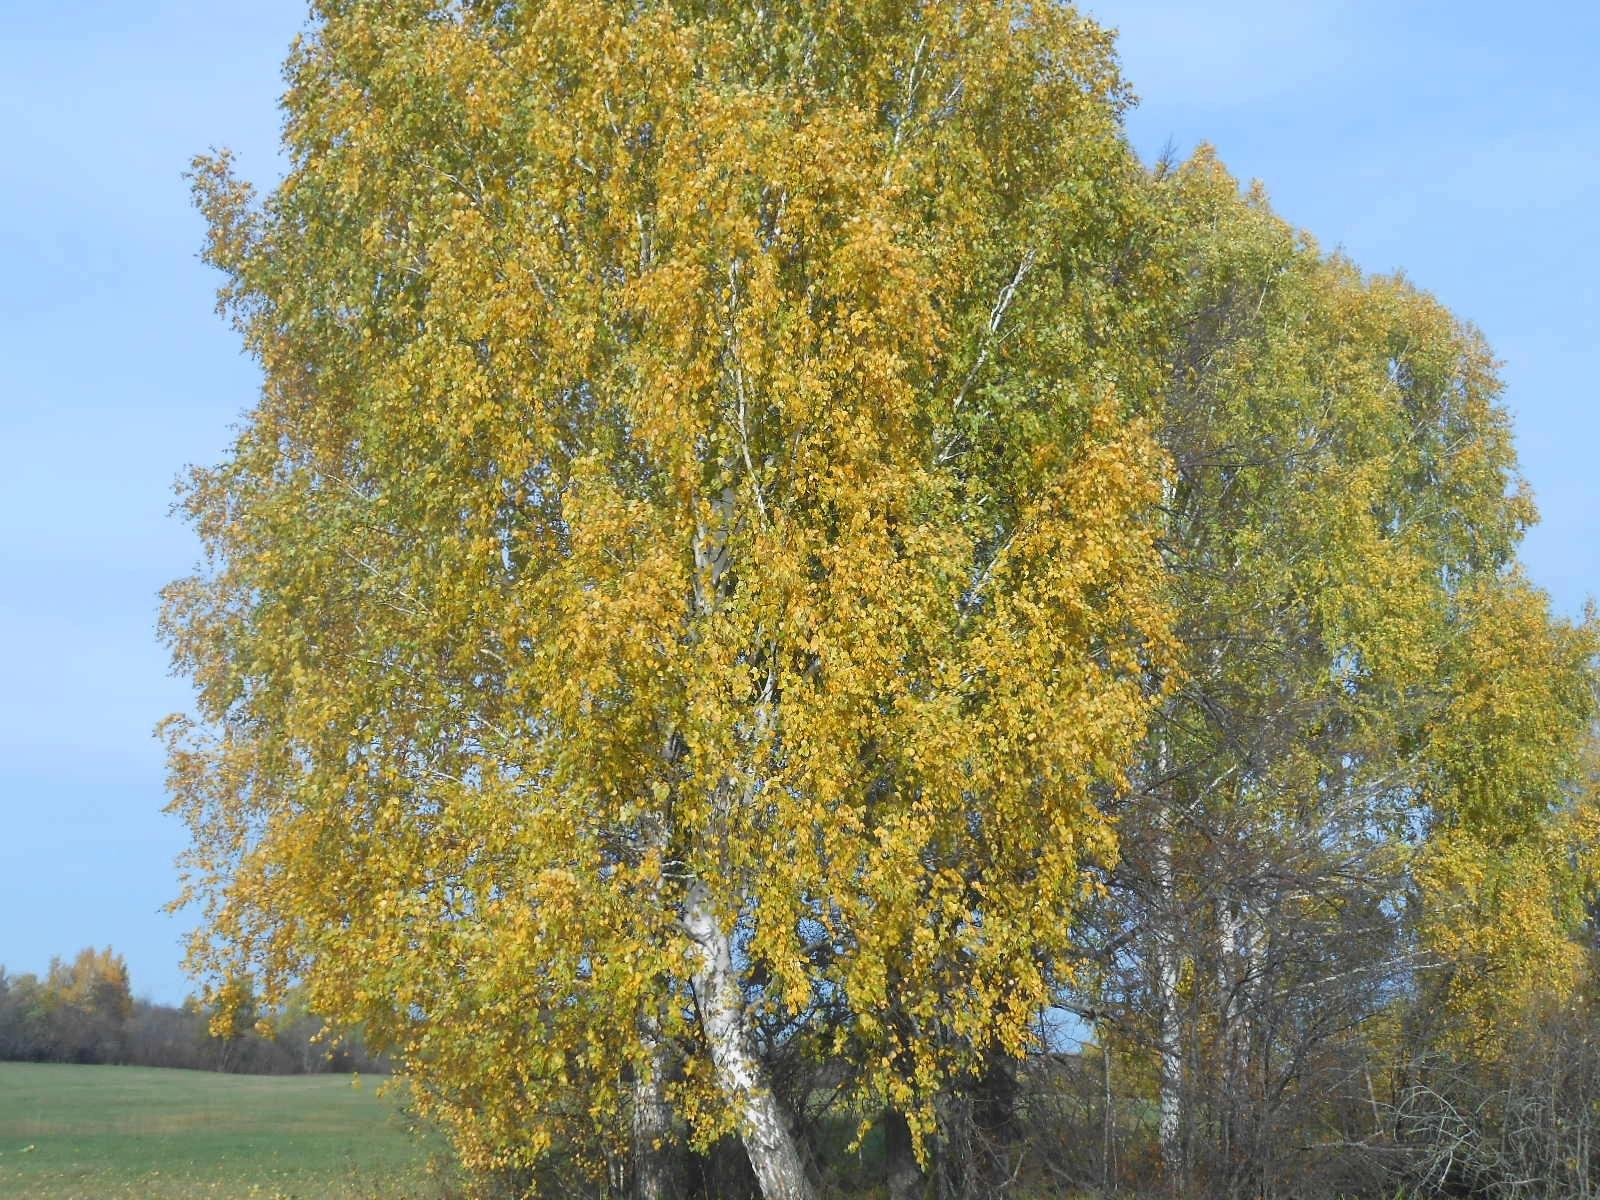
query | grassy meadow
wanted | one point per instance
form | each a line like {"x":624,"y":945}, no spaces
{"x":109,"y":1133}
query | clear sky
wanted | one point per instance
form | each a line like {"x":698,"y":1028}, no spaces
{"x":1455,"y":140}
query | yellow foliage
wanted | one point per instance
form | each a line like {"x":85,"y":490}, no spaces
{"x":1510,"y":863}
{"x":699,"y":446}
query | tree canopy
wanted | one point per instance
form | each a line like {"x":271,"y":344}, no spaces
{"x":768,"y":534}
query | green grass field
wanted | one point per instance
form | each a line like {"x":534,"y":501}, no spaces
{"x":98,"y":1133}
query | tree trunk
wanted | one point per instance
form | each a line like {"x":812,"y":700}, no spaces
{"x":1108,"y":1152}
{"x":1231,"y":1077}
{"x":655,"y":1158}
{"x":653,"y":1175}
{"x":1167,"y":978}
{"x":774,"y":1154}
{"x":1240,"y":1110}
{"x":901,"y":1171}
{"x":995,"y":1116}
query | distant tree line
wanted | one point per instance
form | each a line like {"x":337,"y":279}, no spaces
{"x":84,"y":1011}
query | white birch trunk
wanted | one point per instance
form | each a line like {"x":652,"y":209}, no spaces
{"x":1230,"y":1036}
{"x":769,"y":1143}
{"x":1170,"y":1086}
{"x":774,"y":1155}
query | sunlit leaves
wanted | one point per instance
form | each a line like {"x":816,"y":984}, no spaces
{"x":698,"y":443}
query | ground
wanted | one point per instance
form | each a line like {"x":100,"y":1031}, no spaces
{"x":116,"y":1133}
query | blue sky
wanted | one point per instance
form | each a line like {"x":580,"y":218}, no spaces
{"x":1454,"y":140}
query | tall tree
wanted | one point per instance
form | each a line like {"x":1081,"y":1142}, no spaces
{"x":688,"y":560}
{"x":1342,"y":483}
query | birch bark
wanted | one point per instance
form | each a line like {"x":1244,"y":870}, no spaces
{"x":1170,"y":1121}
{"x":774,"y":1155}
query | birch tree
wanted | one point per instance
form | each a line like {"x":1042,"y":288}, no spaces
{"x":689,"y":556}
{"x":1343,"y":503}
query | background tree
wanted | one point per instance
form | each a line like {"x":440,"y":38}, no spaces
{"x":1343,"y":502}
{"x":87,"y":1004}
{"x":83,"y":1012}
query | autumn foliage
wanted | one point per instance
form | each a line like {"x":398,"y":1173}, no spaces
{"x":772,"y":553}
